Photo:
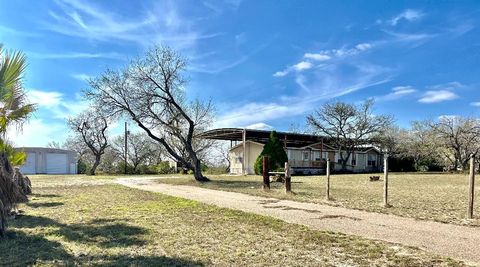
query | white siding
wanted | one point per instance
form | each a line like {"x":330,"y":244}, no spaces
{"x":31,"y":165}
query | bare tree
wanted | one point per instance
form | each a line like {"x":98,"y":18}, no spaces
{"x":139,"y":149}
{"x":92,"y":129}
{"x":348,"y":126}
{"x":151,"y":91}
{"x":421,"y":144}
{"x":54,"y":144}
{"x":461,"y":138}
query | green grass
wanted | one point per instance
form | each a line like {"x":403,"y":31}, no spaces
{"x":68,"y":222}
{"x":438,"y":197}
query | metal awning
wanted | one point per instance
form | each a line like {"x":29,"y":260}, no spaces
{"x":261,"y":136}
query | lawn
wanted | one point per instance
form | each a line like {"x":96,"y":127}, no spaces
{"x":90,"y":221}
{"x":438,"y":197}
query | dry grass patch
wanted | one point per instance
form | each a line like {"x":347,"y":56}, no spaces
{"x":112,"y":225}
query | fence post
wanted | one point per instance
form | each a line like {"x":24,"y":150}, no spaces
{"x":327,"y":189}
{"x":471,"y":185}
{"x":266,"y":177}
{"x":288,"y":179}
{"x":385,"y":181}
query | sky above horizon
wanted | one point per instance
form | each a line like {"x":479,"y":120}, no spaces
{"x":264,"y":64}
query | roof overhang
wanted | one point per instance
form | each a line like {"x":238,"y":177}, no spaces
{"x":261,"y":136}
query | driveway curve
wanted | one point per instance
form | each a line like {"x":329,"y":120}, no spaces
{"x":459,"y":242}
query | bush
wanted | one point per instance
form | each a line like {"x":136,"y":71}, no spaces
{"x":275,"y":152}
{"x":164,"y":168}
{"x":82,"y":166}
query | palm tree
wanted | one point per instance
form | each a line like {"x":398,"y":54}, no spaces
{"x":14,"y":110}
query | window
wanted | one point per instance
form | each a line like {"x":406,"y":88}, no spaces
{"x":325,"y":155}
{"x":372,"y":160}
{"x":317,"y":155}
{"x":306,"y":156}
{"x":238,"y":160}
{"x":354,"y":159}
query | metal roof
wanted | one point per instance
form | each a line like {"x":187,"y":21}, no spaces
{"x":261,"y":136}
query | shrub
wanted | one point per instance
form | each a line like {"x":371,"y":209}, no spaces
{"x":164,"y":168}
{"x":275,"y":152}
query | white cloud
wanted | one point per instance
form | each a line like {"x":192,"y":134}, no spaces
{"x":303,"y":65}
{"x":280,"y":73}
{"x":317,"y":57}
{"x":363,"y":46}
{"x":435,"y":96}
{"x":408,"y":15}
{"x":37,"y":132}
{"x":44,"y":99}
{"x":82,"y":77}
{"x":324,"y":55}
{"x":475,"y":104}
{"x":259,"y":126}
{"x":299,"y":67}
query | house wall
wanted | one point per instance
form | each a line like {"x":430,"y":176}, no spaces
{"x":236,"y":157}
{"x":296,"y":158}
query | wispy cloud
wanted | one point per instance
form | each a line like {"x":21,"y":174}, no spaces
{"x":44,"y":99}
{"x":408,"y":15}
{"x":10,"y":31}
{"x":286,"y":106}
{"x":475,"y":104}
{"x":56,"y":104}
{"x":396,"y":93}
{"x":309,"y":59}
{"x":82,"y":77}
{"x":87,"y":20}
{"x":77,"y":55}
{"x":259,"y":126}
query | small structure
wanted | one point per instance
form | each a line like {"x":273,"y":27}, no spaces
{"x":307,"y":154}
{"x":49,"y":161}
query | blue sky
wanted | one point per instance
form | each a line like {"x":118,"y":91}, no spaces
{"x":265,"y":64}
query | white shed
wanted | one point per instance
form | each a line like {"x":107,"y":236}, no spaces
{"x":49,"y":161}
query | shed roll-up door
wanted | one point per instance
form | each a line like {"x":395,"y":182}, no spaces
{"x":56,"y":163}
{"x":30,"y":164}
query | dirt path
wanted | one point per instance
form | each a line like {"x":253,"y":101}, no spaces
{"x":455,"y":241}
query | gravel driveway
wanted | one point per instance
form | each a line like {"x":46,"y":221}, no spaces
{"x":459,"y":242}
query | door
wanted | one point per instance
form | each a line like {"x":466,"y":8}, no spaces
{"x":30,"y":165}
{"x":57,"y":163}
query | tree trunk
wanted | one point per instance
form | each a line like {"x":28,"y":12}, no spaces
{"x":10,"y":193}
{"x":95,"y":165}
{"x":197,"y":171}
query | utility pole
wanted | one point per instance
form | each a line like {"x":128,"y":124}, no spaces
{"x":126,"y":133}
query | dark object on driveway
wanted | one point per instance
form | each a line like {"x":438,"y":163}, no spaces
{"x":374,"y":178}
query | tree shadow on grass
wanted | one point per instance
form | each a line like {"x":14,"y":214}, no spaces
{"x":21,"y":248}
{"x":236,"y":184}
{"x":44,"y":204}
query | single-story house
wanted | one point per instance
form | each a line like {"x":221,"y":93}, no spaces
{"x":307,"y":154}
{"x":49,"y":161}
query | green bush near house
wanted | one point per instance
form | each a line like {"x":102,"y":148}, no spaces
{"x":275,"y":152}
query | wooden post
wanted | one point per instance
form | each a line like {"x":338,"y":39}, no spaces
{"x":327,"y":189}
{"x":266,"y":177}
{"x":244,"y":160}
{"x":385,"y":181}
{"x":471,"y":185}
{"x":288,"y":179}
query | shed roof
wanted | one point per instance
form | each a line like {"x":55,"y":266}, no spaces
{"x":261,"y":136}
